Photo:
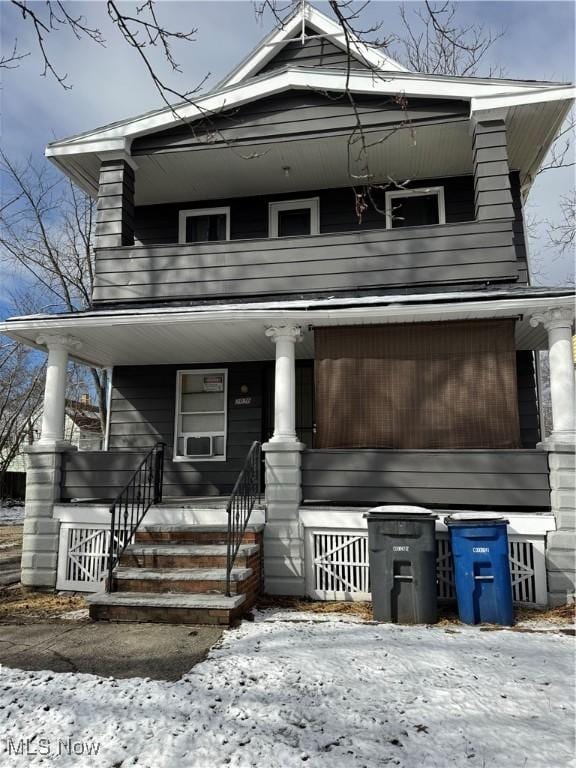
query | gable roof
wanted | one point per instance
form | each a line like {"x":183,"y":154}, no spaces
{"x":536,"y":109}
{"x":297,"y":26}
{"x":481,"y":93}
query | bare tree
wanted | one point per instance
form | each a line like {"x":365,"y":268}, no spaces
{"x":46,"y":229}
{"x":21,"y":387}
{"x":143,"y":31}
{"x":561,"y":154}
{"x":434,"y":41}
{"x":562,"y":233}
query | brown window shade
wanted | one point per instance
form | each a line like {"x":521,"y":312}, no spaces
{"x":423,"y":385}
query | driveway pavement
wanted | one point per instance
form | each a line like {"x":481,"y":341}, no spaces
{"x":156,"y":651}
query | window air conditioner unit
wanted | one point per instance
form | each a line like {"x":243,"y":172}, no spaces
{"x":199,"y":445}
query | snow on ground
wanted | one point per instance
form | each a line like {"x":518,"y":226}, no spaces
{"x":292,"y":690}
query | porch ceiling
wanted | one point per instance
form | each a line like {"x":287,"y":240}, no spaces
{"x":236,"y":333}
{"x":256,"y":166}
{"x":314,"y":162}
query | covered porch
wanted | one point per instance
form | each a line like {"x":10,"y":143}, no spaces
{"x":157,"y":343}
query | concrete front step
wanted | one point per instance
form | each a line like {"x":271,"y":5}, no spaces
{"x":184,"y":555}
{"x":166,"y":608}
{"x":180,"y":580}
{"x":193,"y":534}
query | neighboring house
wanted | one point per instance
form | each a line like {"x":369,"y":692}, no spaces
{"x":239,"y":297}
{"x":82,"y":429}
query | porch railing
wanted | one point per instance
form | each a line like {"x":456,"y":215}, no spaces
{"x":245,"y":495}
{"x":129,"y":507}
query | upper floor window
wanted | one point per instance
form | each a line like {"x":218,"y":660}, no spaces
{"x":291,"y":218}
{"x":415,"y":207}
{"x":201,"y":225}
{"x":201,"y":402}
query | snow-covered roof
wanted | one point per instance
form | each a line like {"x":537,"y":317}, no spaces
{"x":510,"y":293}
{"x":235,"y":332}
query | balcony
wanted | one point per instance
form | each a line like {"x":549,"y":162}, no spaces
{"x":443,"y":254}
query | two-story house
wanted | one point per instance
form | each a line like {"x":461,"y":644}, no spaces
{"x":325,"y":255}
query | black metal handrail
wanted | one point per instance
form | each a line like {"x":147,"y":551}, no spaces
{"x":245,"y":495}
{"x":129,"y":507}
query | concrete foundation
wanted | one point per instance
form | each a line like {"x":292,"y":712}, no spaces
{"x":283,"y":535}
{"x":561,"y":543}
{"x":41,"y":530}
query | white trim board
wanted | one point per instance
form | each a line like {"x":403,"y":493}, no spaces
{"x":193,"y":212}
{"x":307,"y":15}
{"x":98,"y":514}
{"x":118,"y":137}
{"x":312,"y":312}
{"x":521,"y":524}
{"x":274,"y":208}
{"x":180,"y":373}
{"x":415,"y":192}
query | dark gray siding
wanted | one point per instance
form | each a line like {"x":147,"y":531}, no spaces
{"x":142,"y":413}
{"x":519,"y":233}
{"x":527,"y":399}
{"x":491,"y":171}
{"x":158,"y":224}
{"x":386,"y":259}
{"x":314,"y":53}
{"x":97,"y":475}
{"x":443,"y":479}
{"x":304,"y":113}
{"x":115,"y":205}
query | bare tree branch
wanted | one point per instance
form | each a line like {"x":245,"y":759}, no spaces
{"x":21,"y":387}
{"x":562,"y":233}
{"x":561,"y":154}
{"x":435,"y":42}
{"x":12,"y":60}
{"x":46,"y":231}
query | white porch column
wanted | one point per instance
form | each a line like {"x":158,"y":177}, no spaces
{"x":43,"y":476}
{"x":558,"y":322}
{"x":284,"y":535}
{"x":58,"y":345}
{"x":285,"y":338}
{"x":561,"y":543}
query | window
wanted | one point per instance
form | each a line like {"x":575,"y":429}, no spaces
{"x":203,"y":225}
{"x":415,"y":207}
{"x":292,"y":218}
{"x":201,"y":398}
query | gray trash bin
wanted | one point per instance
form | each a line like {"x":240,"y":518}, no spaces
{"x":402,"y":547}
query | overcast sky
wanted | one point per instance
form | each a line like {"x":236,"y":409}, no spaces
{"x":111,"y":83}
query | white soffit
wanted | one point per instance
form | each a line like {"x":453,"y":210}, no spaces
{"x":220,"y":171}
{"x":236,"y":334}
{"x":429,"y":151}
{"x":80,"y":157}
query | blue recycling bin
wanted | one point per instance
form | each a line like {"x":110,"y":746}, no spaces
{"x":481,"y":568}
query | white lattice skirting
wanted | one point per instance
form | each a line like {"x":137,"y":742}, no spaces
{"x":337,"y":567}
{"x":82,"y":556}
{"x":336,"y":563}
